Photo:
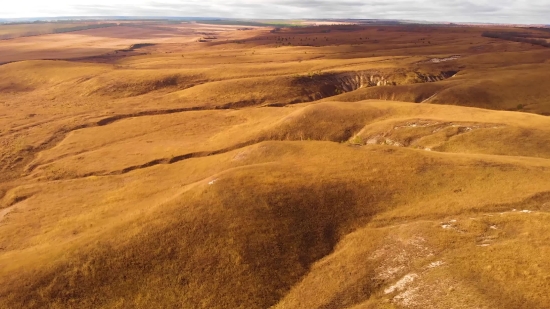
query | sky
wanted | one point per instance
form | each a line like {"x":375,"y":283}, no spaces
{"x":478,"y":11}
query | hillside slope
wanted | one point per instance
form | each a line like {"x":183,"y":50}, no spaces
{"x":269,"y":222}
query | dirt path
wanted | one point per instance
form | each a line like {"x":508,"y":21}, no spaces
{"x":431,"y":97}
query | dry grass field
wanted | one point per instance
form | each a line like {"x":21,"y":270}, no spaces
{"x":17,"y":30}
{"x":150,"y":165}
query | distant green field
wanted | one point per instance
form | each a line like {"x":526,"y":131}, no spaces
{"x":10,"y":31}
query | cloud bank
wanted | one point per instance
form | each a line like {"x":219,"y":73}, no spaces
{"x":482,"y":11}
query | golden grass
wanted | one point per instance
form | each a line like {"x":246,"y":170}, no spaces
{"x":210,"y":175}
{"x":276,"y":217}
{"x":9,"y":31}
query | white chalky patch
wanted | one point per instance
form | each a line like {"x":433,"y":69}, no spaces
{"x":407,"y":298}
{"x":436,"y":264}
{"x":389,"y":272}
{"x":439,"y":60}
{"x":401,"y":284}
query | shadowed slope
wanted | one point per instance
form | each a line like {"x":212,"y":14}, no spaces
{"x":251,"y":233}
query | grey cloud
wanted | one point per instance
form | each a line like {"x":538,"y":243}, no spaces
{"x":504,"y":11}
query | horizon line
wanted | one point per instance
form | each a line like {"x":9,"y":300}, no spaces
{"x":191,"y":18}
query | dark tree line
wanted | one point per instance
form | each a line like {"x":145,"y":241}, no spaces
{"x":85,"y":27}
{"x":517,"y":37}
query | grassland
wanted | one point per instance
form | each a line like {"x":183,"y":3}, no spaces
{"x":343,"y":166}
{"x":17,"y":30}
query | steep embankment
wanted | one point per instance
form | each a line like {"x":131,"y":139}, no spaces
{"x":322,"y":85}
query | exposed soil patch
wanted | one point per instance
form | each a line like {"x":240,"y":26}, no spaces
{"x":424,"y":134}
{"x":439,"y":60}
{"x":322,"y":85}
{"x":140,"y":45}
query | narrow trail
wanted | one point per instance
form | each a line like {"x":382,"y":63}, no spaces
{"x":431,"y":97}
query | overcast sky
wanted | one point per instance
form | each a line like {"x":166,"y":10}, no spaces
{"x":497,"y":11}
